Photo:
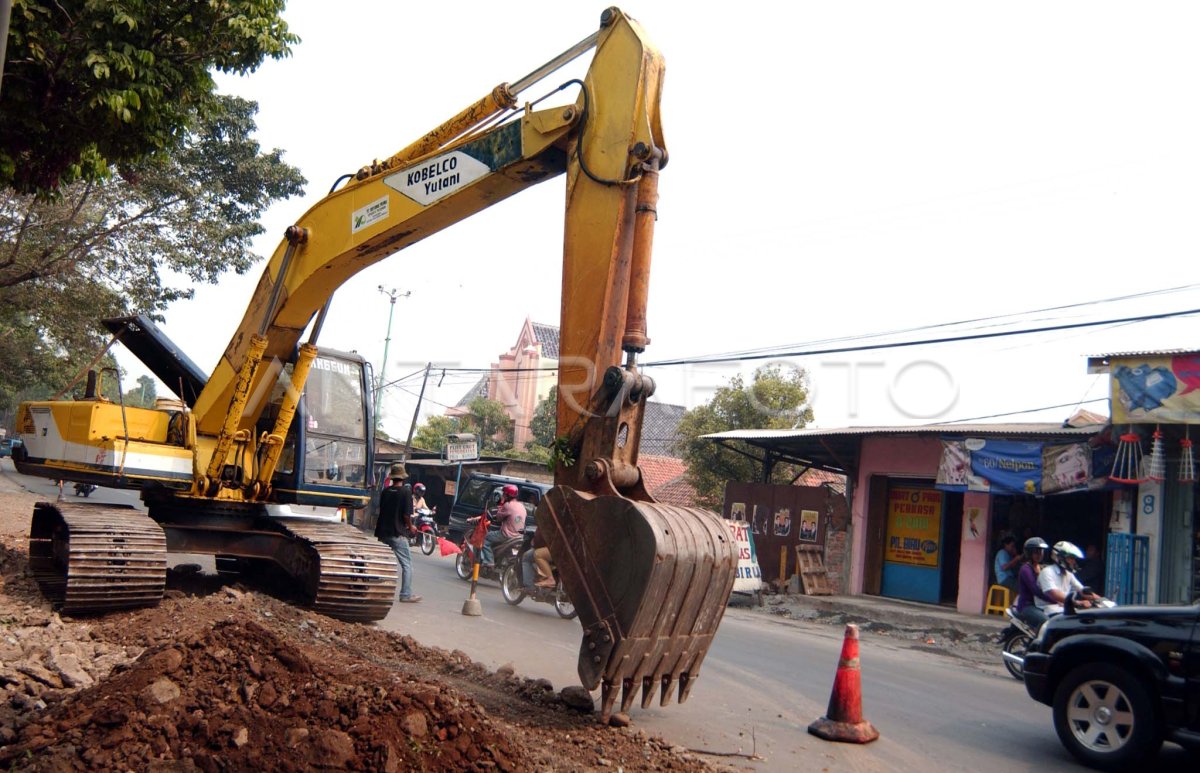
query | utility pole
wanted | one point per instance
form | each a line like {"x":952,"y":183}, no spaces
{"x":392,"y":295}
{"x":413,"y":427}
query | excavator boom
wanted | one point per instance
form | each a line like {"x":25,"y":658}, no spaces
{"x":650,"y":581}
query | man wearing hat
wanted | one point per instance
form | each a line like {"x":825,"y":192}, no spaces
{"x":395,"y":523}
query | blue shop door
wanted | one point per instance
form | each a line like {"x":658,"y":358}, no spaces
{"x":912,"y":548}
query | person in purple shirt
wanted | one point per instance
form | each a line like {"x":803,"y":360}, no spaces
{"x":1027,"y":585}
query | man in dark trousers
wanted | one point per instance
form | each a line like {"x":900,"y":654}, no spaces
{"x":395,"y":524}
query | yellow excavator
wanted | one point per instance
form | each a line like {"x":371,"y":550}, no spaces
{"x":252,"y":463}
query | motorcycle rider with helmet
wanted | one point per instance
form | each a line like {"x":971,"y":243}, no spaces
{"x":510,"y":515}
{"x":1028,"y":592}
{"x":418,"y":491}
{"x":1058,"y":579}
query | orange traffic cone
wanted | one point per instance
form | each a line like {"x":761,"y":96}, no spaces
{"x":843,"y":721}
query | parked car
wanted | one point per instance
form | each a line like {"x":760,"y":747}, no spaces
{"x":481,"y":491}
{"x":1120,"y":681}
{"x":7,"y":444}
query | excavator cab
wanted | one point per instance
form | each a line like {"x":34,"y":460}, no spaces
{"x":332,"y":434}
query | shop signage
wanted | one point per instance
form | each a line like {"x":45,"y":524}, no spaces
{"x":914,"y":528}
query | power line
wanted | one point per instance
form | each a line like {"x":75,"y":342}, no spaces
{"x":1028,"y":410}
{"x":746,"y":357}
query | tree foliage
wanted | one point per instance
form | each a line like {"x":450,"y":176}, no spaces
{"x":132,"y":243}
{"x":773,"y":400}
{"x":487,"y":419}
{"x":544,"y":424}
{"x":143,"y":395}
{"x":93,"y":84}
{"x":432,"y":434}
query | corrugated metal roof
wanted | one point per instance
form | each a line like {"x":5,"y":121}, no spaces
{"x":1150,"y":353}
{"x":923,"y":429}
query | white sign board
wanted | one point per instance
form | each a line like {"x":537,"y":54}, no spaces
{"x":748,"y":578}
{"x":437,"y":177}
{"x":462,"y":450}
{"x":369,"y":215}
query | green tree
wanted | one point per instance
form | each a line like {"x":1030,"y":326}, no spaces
{"x":132,"y":243}
{"x":773,"y":400}
{"x":94,"y":84}
{"x":143,"y":395}
{"x":487,"y":419}
{"x":544,"y":424}
{"x":432,"y":434}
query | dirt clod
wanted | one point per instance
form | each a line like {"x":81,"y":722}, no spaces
{"x":221,"y":677}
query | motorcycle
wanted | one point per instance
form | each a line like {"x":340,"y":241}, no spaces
{"x":83,"y":489}
{"x":503,"y":553}
{"x":1015,"y":639}
{"x":514,"y":589}
{"x":425,"y":535}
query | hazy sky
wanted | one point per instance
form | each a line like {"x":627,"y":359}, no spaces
{"x":836,"y":169}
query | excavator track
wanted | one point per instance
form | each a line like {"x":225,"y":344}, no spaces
{"x":347,"y":574}
{"x":97,"y":558}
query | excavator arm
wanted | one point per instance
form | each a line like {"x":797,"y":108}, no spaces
{"x":650,"y":581}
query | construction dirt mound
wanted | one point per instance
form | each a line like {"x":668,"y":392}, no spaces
{"x":219,"y":677}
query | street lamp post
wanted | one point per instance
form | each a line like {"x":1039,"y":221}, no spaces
{"x":392,"y":295}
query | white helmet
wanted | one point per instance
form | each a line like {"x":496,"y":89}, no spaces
{"x":1061,"y":550}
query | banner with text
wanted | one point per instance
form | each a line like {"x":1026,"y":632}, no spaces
{"x":914,"y":527}
{"x":748,"y":578}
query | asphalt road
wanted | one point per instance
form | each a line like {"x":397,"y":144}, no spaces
{"x":764,"y":680}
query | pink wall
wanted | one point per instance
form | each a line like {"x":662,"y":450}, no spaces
{"x":918,"y":457}
{"x":915,"y":457}
{"x":974,"y":567}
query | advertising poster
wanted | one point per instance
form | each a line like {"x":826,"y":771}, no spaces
{"x":783,"y":522}
{"x":808,"y":525}
{"x":1162,"y":389}
{"x":1009,"y":466}
{"x":749,"y":576}
{"x":1066,"y":468}
{"x":914,"y":527}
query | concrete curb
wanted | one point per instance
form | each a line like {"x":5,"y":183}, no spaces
{"x":898,"y":614}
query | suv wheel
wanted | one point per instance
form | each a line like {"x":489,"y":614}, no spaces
{"x":1105,"y":717}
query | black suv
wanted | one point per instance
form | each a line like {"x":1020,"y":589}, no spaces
{"x":1120,"y":680}
{"x":481,"y":491}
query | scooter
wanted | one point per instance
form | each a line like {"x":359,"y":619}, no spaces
{"x":503,"y":553}
{"x":83,"y":489}
{"x":425,"y":535}
{"x":1014,"y":640}
{"x":514,"y":589}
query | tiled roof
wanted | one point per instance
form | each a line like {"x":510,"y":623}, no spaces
{"x":814,"y":477}
{"x":660,"y":470}
{"x":660,"y":428}
{"x":480,"y":389}
{"x":678,"y":492}
{"x":547,"y":336}
{"x":663,"y":477}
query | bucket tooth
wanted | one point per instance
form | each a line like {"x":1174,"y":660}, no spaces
{"x":650,"y":582}
{"x":628,"y":695}
{"x":686,"y":682}
{"x":608,"y":697}
{"x":647,"y":691}
{"x":665,"y":692}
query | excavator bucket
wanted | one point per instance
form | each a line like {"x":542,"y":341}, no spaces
{"x":650,"y":582}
